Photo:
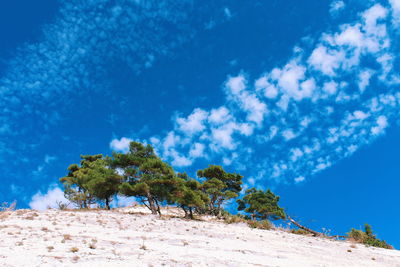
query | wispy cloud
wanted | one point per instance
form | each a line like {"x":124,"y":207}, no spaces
{"x":300,"y":118}
{"x":336,"y":6}
{"x":72,"y":56}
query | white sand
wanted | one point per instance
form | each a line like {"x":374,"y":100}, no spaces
{"x":117,"y":238}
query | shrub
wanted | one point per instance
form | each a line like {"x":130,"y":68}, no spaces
{"x":366,"y":237}
{"x":233,"y":219}
{"x":264,"y":224}
{"x":299,"y":232}
{"x":8,"y":206}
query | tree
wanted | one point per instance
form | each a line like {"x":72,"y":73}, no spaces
{"x":220,"y":186}
{"x":75,"y":189}
{"x":262,"y":205}
{"x":146,"y":176}
{"x":103,"y":182}
{"x":189,"y":195}
{"x":92,"y":180}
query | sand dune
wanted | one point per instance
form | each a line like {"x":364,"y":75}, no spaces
{"x":133,"y":237}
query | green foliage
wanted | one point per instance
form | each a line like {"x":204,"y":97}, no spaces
{"x":75,"y":189}
{"x":261,"y":205}
{"x":103,"y":182}
{"x":220,"y":186}
{"x":92,"y":180}
{"x":188,"y":195}
{"x":367,"y":237}
{"x":146,"y":176}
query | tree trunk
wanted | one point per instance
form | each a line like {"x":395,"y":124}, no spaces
{"x":304,"y":228}
{"x":191,"y":213}
{"x":158,"y":207}
{"x":186,"y":213}
{"x":152,"y":206}
{"x":108,"y":204}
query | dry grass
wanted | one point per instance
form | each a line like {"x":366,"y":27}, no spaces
{"x":74,"y":249}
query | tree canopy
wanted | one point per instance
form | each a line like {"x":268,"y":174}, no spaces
{"x":146,"y":176}
{"x":261,"y":205}
{"x":92,"y":180}
{"x":220,"y":186}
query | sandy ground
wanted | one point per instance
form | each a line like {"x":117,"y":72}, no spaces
{"x":132,"y":237}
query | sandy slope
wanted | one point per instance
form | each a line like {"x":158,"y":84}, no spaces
{"x":127,"y":238}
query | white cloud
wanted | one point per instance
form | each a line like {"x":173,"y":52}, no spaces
{"x":48,"y":200}
{"x":194,"y":123}
{"x":382,"y":123}
{"x":358,"y":114}
{"x":121,"y":145}
{"x":326,"y":61}
{"x":44,"y":74}
{"x":270,"y":90}
{"x":219,"y":115}
{"x":395,"y":7}
{"x":330,"y":87}
{"x":299,"y":179}
{"x":303,"y":116}
{"x":180,"y":160}
{"x":364,"y":79}
{"x":236,"y":84}
{"x":197,"y":150}
{"x":289,"y":79}
{"x":248,"y":102}
{"x":336,"y":6}
{"x":288,"y":134}
{"x":222,"y":136}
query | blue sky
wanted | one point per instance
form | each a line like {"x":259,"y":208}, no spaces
{"x":298,"y":96}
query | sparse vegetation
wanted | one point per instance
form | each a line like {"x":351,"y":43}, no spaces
{"x":140,"y":173}
{"x":299,"y":232}
{"x":5,"y":206}
{"x":74,"y":249}
{"x":263,"y":224}
{"x":367,"y":237}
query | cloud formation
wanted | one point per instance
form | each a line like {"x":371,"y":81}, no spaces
{"x":48,"y":200}
{"x":73,"y":55}
{"x":300,"y":118}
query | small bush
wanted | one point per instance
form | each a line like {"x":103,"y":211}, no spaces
{"x":367,"y":238}
{"x":264,"y":224}
{"x":74,"y":249}
{"x":5,"y":206}
{"x":299,"y":232}
{"x":233,"y":219}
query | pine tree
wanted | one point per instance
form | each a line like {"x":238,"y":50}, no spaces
{"x":92,"y":180}
{"x":146,"y":176}
{"x":75,"y":189}
{"x":103,"y":182}
{"x":220,"y":186}
{"x":261,"y":205}
{"x":189,"y":195}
